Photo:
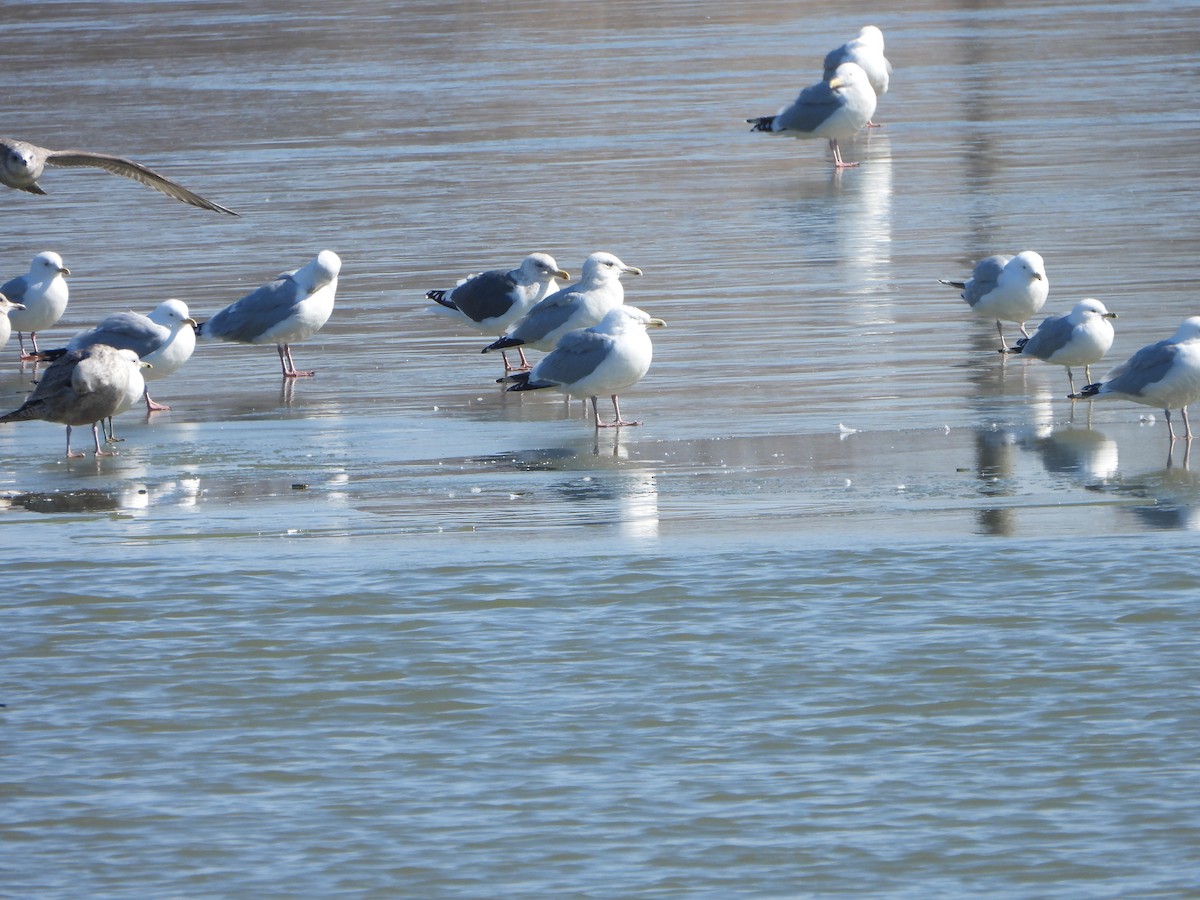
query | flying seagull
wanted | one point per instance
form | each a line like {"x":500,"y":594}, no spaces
{"x":22,"y":165}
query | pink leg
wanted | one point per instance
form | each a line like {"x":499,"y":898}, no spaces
{"x":71,"y":455}
{"x":151,"y":406}
{"x":837,"y":156}
{"x":96,"y":438}
{"x":33,"y":341}
{"x":618,"y":421}
{"x":523,"y":367}
{"x":1186,"y":424}
{"x":289,"y":367}
{"x":1170,"y":430}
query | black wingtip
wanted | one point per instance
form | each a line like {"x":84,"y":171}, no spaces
{"x":762,"y":123}
{"x":50,"y":355}
{"x":439,"y":297}
{"x":1089,"y":390}
{"x":503,"y":344}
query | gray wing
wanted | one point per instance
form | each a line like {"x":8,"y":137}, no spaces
{"x":1148,"y":366}
{"x":54,"y":393}
{"x":245,"y":320}
{"x":985,"y":278}
{"x":128,"y":168}
{"x":546,"y":315}
{"x":577,"y":355}
{"x":125,"y":331}
{"x":14,"y":289}
{"x":835,"y":58}
{"x":486,"y":296}
{"x":815,"y":104}
{"x":1051,"y":336}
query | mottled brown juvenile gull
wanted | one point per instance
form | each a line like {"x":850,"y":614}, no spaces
{"x":288,"y":309}
{"x":836,"y":108}
{"x":1007,"y":289}
{"x":491,"y":301}
{"x":865,"y":51}
{"x":579,"y":305}
{"x":605,"y":359}
{"x":1078,"y":338}
{"x":166,"y":339}
{"x":82,"y":387}
{"x":1165,"y":374}
{"x":6,"y":306}
{"x":43,"y":293}
{"x":22,"y":164}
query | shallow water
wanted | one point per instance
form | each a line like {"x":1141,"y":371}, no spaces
{"x":863,"y":607}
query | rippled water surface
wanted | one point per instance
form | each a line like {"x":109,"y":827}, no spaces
{"x":861,"y":608}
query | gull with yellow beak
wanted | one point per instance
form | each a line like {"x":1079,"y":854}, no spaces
{"x":166,"y":339}
{"x":838,"y":107}
{"x":605,"y":359}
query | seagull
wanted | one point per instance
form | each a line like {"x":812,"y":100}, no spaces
{"x":166,"y":338}
{"x":838,"y":107}
{"x":866,"y":51}
{"x":43,"y":292}
{"x":491,"y":301}
{"x":22,"y":164}
{"x":1078,"y":338}
{"x":1165,"y":374}
{"x":604,"y":359}
{"x":282,"y":312}
{"x":82,"y":387}
{"x":579,"y":305}
{"x":1007,"y":289}
{"x":6,"y":306}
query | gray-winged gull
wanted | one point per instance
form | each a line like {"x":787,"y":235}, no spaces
{"x":492,"y":301}
{"x":82,"y":387}
{"x":282,"y":312}
{"x":1007,"y":289}
{"x":43,"y":292}
{"x":1165,"y":374}
{"x":1078,"y":338}
{"x":836,"y":108}
{"x":6,"y":306}
{"x":865,"y":51}
{"x":22,"y":164}
{"x":576,"y":306}
{"x":604,"y":359}
{"x":166,"y":338}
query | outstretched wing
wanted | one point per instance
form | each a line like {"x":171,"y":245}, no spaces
{"x":129,"y":169}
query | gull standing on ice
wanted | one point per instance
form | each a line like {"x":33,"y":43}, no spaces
{"x":82,"y":387}
{"x":604,"y":359}
{"x":491,"y":301}
{"x":579,"y":305}
{"x":865,"y":51}
{"x":43,"y":291}
{"x":282,"y":312}
{"x":165,"y":339}
{"x":838,"y":107}
{"x":1165,"y":374}
{"x":22,"y":164}
{"x":6,"y":306}
{"x":1007,"y":289}
{"x":1078,"y":338}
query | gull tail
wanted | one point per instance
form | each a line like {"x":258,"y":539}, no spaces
{"x":440,"y":298}
{"x":762,"y":123}
{"x":524,"y":384}
{"x":25,"y":413}
{"x":1019,"y":345}
{"x":503,"y":344}
{"x":1089,"y":390}
{"x":50,"y":355}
